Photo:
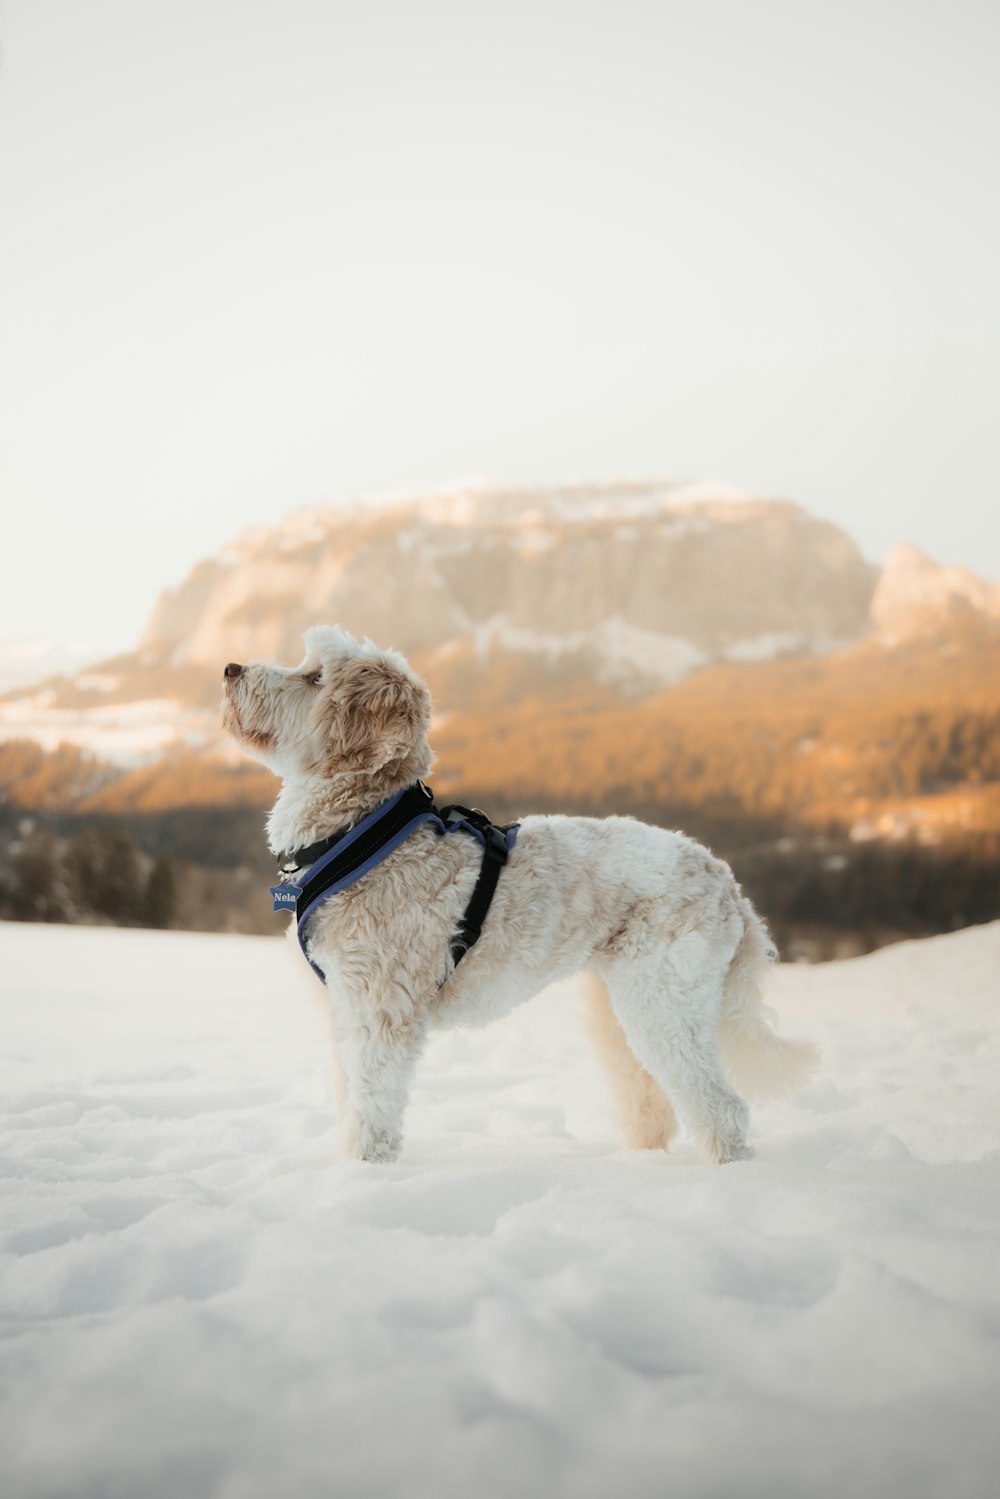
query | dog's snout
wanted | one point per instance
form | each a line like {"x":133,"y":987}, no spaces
{"x":232,"y":671}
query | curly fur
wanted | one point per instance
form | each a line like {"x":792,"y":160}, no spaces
{"x":675,"y":953}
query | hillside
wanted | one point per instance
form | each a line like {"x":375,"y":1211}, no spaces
{"x":816,"y":741}
{"x":821,"y":741}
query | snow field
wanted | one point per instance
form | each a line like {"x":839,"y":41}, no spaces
{"x":198,"y":1299}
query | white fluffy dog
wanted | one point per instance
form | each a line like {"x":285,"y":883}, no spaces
{"x":673,"y":951}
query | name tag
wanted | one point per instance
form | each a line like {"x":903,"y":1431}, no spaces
{"x":284,"y":896}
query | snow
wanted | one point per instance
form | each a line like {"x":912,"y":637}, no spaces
{"x":620,"y":647}
{"x":635,"y":499}
{"x":198,"y":1300}
{"x":701,"y":491}
{"x":98,"y":681}
{"x":471,"y":502}
{"x":767,"y":646}
{"x":126,"y":733}
{"x":27,"y":659}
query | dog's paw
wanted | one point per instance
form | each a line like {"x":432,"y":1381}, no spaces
{"x":363,"y":1144}
{"x":727,"y":1151}
{"x":381,"y":1150}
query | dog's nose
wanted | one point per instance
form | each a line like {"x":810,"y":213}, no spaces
{"x":232,"y":671}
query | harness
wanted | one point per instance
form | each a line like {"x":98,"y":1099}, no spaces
{"x":322,"y":869}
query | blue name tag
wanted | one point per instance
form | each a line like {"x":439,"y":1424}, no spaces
{"x":284,"y":896}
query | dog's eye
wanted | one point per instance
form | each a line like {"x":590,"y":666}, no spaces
{"x":313,"y":678}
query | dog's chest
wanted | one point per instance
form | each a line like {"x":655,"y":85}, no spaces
{"x":396,"y":923}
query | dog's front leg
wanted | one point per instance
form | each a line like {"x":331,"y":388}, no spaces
{"x":377,"y":1048}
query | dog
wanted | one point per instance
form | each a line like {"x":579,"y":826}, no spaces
{"x":672,"y":953}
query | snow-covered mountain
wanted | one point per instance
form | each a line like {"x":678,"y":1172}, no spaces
{"x":634,"y":584}
{"x":498,"y":591}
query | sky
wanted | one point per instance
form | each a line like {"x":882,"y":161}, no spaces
{"x":260,"y":254}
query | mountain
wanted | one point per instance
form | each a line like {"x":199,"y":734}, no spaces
{"x":917,"y":597}
{"x":633,"y":585}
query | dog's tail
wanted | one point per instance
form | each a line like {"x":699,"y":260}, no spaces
{"x":759,"y":1062}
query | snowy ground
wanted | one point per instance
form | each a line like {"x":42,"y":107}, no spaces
{"x":198,"y":1300}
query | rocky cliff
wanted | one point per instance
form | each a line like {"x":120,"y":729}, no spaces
{"x":634,"y":584}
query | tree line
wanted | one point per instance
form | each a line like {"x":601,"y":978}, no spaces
{"x":193,"y":869}
{"x":822,"y":894}
{"x":99,"y":875}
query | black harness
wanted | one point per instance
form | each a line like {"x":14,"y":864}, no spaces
{"x":314,"y":873}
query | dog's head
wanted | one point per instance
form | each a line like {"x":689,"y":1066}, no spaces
{"x":348,"y":707}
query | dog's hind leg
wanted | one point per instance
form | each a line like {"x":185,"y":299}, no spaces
{"x":644,"y":1114}
{"x":667,"y":999}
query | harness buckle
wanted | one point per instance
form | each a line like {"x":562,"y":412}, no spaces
{"x":496,"y":843}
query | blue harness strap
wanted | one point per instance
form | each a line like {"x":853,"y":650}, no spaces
{"x":349,"y":856}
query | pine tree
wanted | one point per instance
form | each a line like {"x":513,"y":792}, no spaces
{"x":37,"y":885}
{"x":160,"y":902}
{"x":103,"y":865}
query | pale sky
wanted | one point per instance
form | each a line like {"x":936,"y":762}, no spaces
{"x":256,"y":254}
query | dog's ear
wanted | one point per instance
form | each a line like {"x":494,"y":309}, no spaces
{"x":380,"y":713}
